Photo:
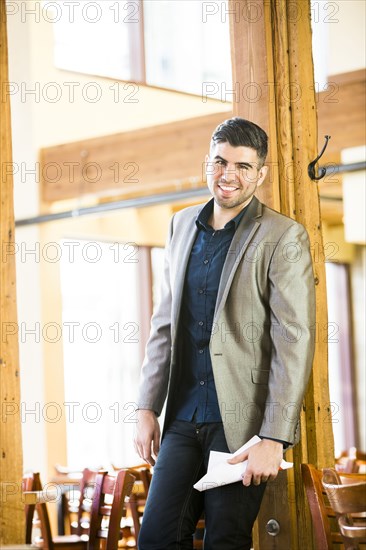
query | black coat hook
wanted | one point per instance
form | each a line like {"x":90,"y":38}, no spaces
{"x":311,"y":167}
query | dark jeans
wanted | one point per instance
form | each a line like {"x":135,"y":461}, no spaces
{"x":174,"y":507}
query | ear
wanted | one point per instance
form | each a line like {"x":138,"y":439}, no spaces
{"x":262,"y":175}
{"x":208,"y":166}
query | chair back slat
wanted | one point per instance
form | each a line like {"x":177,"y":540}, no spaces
{"x":120,"y":486}
{"x":30,"y":482}
{"x":318,"y":510}
{"x":45,"y":526}
{"x":84,"y":501}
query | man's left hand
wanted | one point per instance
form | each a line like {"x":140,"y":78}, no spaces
{"x":264,"y":461}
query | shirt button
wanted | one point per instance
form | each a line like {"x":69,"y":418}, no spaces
{"x":200,"y":351}
{"x":200,"y":291}
{"x":200,"y":323}
{"x":205,"y":262}
{"x":202,"y":383}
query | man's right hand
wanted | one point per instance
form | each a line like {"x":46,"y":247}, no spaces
{"x":147,"y":435}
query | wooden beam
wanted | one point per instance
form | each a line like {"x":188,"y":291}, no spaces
{"x":317,"y":446}
{"x":291,"y":123}
{"x":147,"y":161}
{"x":342,"y":111}
{"x":252,"y":72}
{"x":12,"y":517}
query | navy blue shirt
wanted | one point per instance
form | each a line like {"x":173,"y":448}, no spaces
{"x":196,"y":392}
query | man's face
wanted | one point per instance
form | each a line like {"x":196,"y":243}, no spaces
{"x":233,"y":174}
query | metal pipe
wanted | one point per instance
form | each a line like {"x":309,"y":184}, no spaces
{"x":333,"y":168}
{"x":163,"y":198}
{"x":149,"y":200}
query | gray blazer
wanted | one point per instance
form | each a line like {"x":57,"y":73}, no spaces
{"x":262,"y":340}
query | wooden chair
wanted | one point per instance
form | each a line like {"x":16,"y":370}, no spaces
{"x":30,"y":482}
{"x":322,"y":515}
{"x":137,"y":501}
{"x":348,"y":502}
{"x":351,"y":461}
{"x":78,"y":510}
{"x":105,"y":518}
{"x":326,"y":530}
{"x":119,"y":487}
{"x":199,"y":534}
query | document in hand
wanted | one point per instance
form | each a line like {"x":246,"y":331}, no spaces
{"x":219,"y":472}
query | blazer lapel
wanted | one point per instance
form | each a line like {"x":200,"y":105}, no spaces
{"x":182,"y":253}
{"x":243,"y":235}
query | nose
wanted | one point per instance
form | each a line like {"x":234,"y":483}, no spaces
{"x":230,"y":173}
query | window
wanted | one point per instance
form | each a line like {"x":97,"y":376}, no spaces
{"x":341,"y":376}
{"x":93,"y":38}
{"x":193,"y":50}
{"x":176,"y":44}
{"x":102,"y":351}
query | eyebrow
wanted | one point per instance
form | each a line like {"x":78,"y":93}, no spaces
{"x":246,"y":164}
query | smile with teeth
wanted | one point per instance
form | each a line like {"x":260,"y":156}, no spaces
{"x":228,"y":188}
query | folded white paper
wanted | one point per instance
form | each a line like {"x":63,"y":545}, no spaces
{"x":220,"y":472}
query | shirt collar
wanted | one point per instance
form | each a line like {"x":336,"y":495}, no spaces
{"x":205,"y":213}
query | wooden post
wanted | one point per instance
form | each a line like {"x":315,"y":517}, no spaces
{"x":12,"y":518}
{"x":252,"y":69}
{"x":291,"y":122}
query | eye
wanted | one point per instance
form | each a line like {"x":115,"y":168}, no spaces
{"x":220,"y":162}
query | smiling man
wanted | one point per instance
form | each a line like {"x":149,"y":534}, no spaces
{"x":231,"y":349}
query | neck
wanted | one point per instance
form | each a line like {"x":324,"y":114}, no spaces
{"x":221,"y":216}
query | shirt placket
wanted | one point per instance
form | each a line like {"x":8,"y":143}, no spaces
{"x":212,"y":239}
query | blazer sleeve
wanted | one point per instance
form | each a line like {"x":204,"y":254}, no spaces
{"x":156,"y":365}
{"x":292,"y":319}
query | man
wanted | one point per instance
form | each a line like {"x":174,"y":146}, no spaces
{"x":231,"y":347}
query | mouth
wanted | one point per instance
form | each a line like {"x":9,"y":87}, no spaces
{"x":227,"y":189}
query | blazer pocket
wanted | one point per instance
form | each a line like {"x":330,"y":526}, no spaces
{"x":260,"y":376}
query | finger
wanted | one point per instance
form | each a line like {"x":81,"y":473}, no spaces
{"x":144,"y":451}
{"x":156,"y":444}
{"x":149,"y":459}
{"x":247,"y":479}
{"x":238,"y":458}
{"x":146,"y":454}
{"x":256,"y":480}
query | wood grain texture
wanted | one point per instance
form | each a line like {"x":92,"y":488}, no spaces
{"x":252,"y":70}
{"x":342,"y":111}
{"x":290,"y":117}
{"x":317,"y":437}
{"x":141,"y":162}
{"x":12,"y":517}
